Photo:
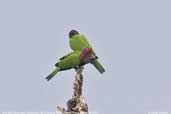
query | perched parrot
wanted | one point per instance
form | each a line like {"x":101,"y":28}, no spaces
{"x":78,"y":42}
{"x":72,"y":60}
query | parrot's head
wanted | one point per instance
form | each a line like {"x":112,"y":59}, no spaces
{"x":85,"y":54}
{"x":72,"y":33}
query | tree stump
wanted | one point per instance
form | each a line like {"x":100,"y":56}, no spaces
{"x":77,"y":104}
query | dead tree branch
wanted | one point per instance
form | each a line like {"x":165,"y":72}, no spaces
{"x":77,"y":104}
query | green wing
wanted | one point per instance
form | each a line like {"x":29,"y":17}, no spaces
{"x":78,"y":42}
{"x":70,"y":61}
{"x":87,"y":43}
{"x":67,"y":55}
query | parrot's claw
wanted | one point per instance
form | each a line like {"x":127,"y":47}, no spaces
{"x":79,"y":69}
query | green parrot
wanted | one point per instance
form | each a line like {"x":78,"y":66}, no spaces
{"x":72,"y":60}
{"x":78,"y":42}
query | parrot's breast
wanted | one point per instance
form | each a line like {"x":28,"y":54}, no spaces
{"x":78,"y":42}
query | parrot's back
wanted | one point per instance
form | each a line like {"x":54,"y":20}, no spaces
{"x":78,"y":42}
{"x":70,"y":61}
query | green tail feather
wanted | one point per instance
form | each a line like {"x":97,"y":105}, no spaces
{"x":53,"y":73}
{"x":98,"y":66}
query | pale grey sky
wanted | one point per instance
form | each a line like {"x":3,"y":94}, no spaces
{"x":131,"y":37}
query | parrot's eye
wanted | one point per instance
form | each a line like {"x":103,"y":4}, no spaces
{"x":72,"y":33}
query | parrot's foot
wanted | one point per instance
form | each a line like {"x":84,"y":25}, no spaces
{"x":79,"y":69}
